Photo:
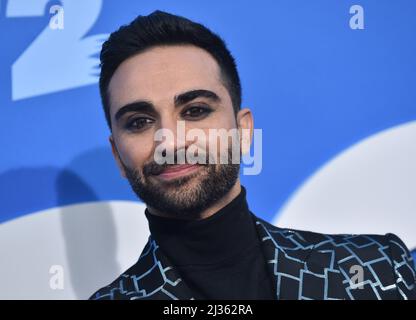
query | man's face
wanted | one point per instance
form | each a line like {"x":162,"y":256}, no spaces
{"x":154,"y":90}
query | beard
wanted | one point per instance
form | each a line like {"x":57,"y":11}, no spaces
{"x":184,"y":197}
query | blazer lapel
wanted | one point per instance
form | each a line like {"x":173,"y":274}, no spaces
{"x":153,"y":277}
{"x":174,"y":286}
{"x":300,"y":271}
{"x":286,"y":254}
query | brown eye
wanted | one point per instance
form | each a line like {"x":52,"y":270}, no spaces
{"x":138,"y":123}
{"x":196,"y":112}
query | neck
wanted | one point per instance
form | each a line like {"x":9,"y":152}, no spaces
{"x":226,"y":233}
{"x":208,"y":212}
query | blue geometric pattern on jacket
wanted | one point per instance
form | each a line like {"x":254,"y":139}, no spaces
{"x":302,"y":265}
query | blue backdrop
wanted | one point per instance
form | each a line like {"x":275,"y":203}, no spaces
{"x":315,"y":85}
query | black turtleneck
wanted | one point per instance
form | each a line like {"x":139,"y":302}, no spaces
{"x":218,"y":257}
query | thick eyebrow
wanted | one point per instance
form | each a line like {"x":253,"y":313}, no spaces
{"x":137,"y":106}
{"x":193,"y":94}
{"x":148,"y":107}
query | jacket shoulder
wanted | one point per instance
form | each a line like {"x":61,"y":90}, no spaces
{"x":366,"y":265}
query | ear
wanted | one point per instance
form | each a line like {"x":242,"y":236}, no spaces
{"x":245,"y":124}
{"x":116,"y":155}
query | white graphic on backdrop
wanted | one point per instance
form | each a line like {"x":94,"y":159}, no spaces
{"x":93,"y":243}
{"x":369,"y":188}
{"x":58,"y":59}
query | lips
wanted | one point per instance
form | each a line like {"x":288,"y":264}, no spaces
{"x":178,"y":170}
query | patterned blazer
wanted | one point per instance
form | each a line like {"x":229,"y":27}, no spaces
{"x":301,"y":264}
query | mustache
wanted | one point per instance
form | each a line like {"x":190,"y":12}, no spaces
{"x":155,"y":168}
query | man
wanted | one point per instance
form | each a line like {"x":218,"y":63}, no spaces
{"x":162,"y":70}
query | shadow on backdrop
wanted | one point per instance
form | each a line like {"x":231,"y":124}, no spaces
{"x":90,"y":237}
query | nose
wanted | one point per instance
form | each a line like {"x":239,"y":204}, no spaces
{"x":170,"y":140}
